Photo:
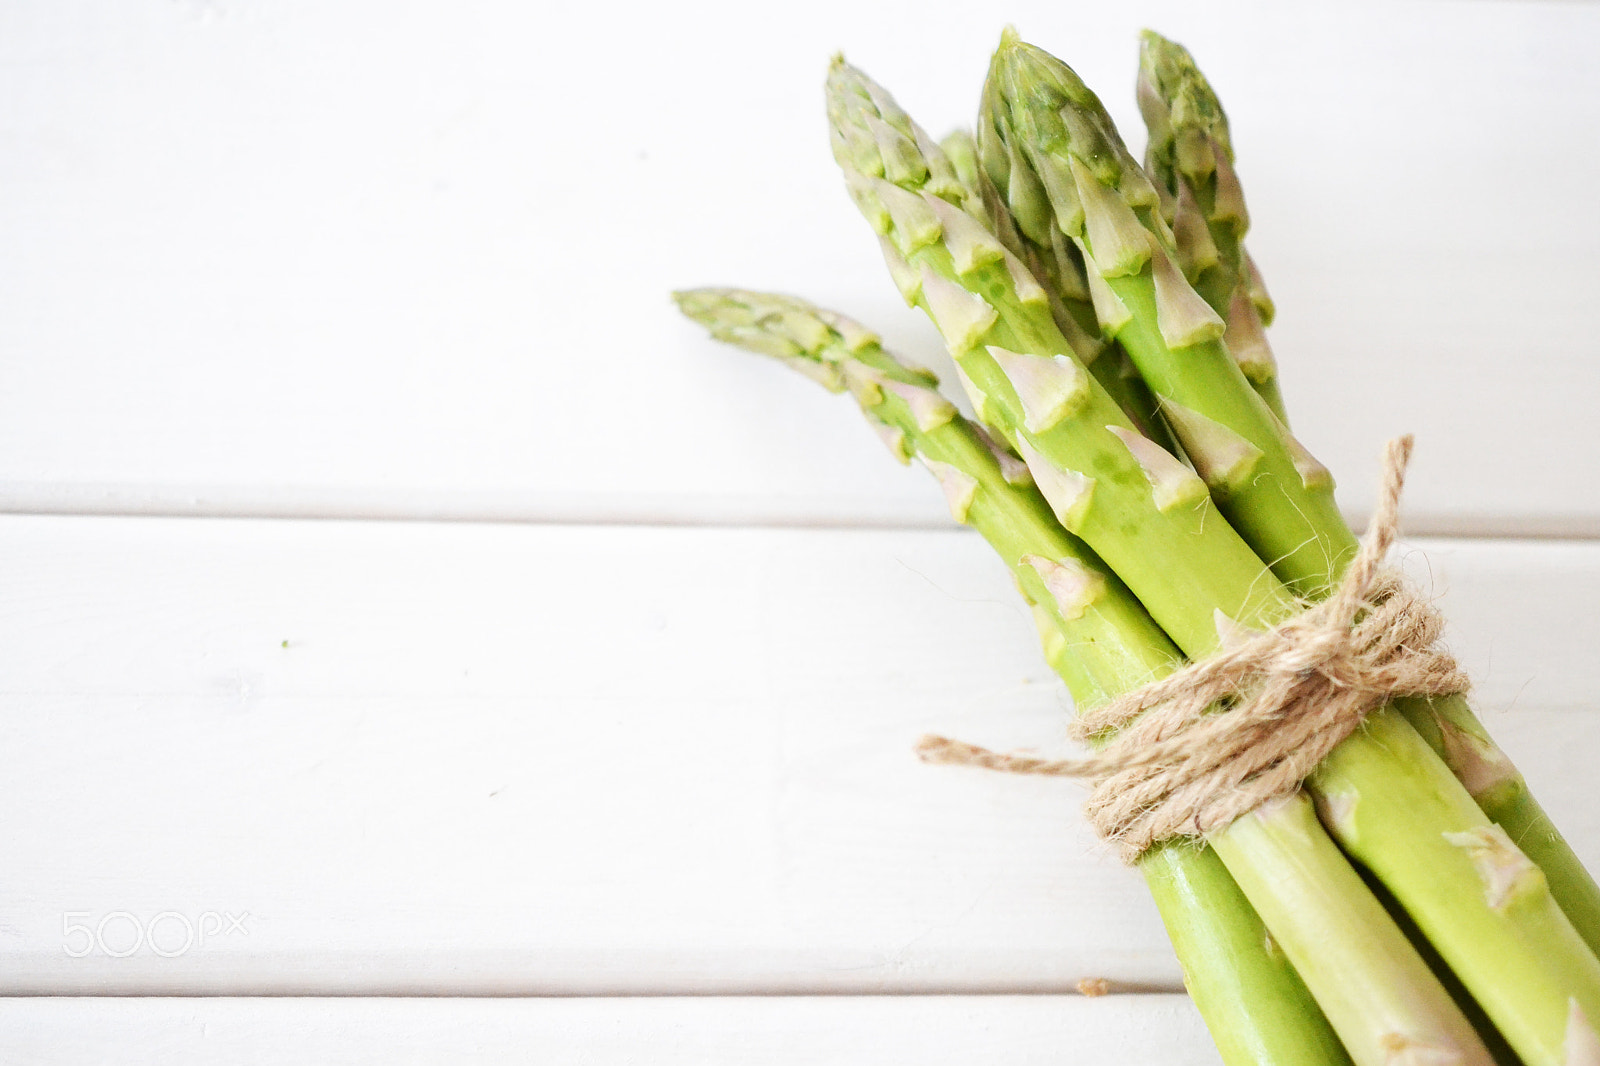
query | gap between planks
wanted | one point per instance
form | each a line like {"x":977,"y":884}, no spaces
{"x":929,"y":1031}
{"x":732,"y":512}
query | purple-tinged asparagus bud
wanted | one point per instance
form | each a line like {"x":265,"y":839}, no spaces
{"x":805,"y":328}
{"x":1152,"y":108}
{"x":883,"y":103}
{"x":1196,"y":250}
{"x":970,"y":243}
{"x":1108,"y":306}
{"x":1313,"y":475}
{"x":943,"y":179}
{"x":962,"y":316}
{"x":902,"y":162}
{"x":1258,"y":291}
{"x":928,"y":409}
{"x":894,"y":438}
{"x":1501,"y":865}
{"x":1171,"y":483}
{"x":1012,"y":468}
{"x":1228,"y":203}
{"x":1121,"y":244}
{"x":864,"y":383}
{"x":1068,"y":492}
{"x":1028,"y":289}
{"x":762,"y":342}
{"x":1246,"y":339}
{"x":1137,"y":188}
{"x":915,"y":224}
{"x":1049,"y":387}
{"x":904,"y":275}
{"x":923,"y":374}
{"x":1181,"y":315}
{"x":1073,"y":586}
{"x":1062,"y":190}
{"x":825,"y":374}
{"x":1073,"y":284}
{"x":856,"y":337}
{"x":1086,"y":346}
{"x":979,"y":398}
{"x":862,"y":194}
{"x":1222,"y":458}
{"x":960,"y":487}
{"x":855,"y":151}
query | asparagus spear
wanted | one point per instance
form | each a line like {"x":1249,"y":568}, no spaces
{"x":1096,"y":636}
{"x":1272,"y":507}
{"x":1061,"y":272}
{"x":1141,"y":511}
{"x":1152,"y":521}
{"x":1190,"y":157}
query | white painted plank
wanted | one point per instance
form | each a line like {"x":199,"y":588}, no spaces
{"x":783,"y":1031}
{"x":360,"y":259}
{"x":500,"y":759}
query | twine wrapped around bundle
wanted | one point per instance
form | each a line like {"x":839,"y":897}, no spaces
{"x":1215,"y":740}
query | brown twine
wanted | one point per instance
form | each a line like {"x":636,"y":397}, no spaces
{"x":1290,"y":695}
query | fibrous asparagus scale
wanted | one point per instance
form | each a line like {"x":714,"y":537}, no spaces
{"x":1049,"y":387}
{"x":1073,"y":587}
{"x":1182,"y":316}
{"x":1224,"y":459}
{"x":960,"y":488}
{"x":1171,"y":483}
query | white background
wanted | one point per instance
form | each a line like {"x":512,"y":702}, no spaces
{"x":631,"y":718}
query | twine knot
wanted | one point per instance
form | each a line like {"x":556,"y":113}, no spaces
{"x":1196,"y":749}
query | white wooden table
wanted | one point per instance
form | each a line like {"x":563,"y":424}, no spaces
{"x":422,"y":646}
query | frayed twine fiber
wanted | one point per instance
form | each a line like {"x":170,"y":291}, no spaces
{"x":1290,"y":695}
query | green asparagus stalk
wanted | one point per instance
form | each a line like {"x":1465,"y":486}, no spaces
{"x":1141,"y":511}
{"x":1268,"y":503}
{"x":1153,"y":522}
{"x":1096,"y":636}
{"x":1061,"y":272}
{"x":1189,"y":155}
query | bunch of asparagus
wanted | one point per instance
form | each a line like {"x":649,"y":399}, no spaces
{"x":1133,"y":466}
